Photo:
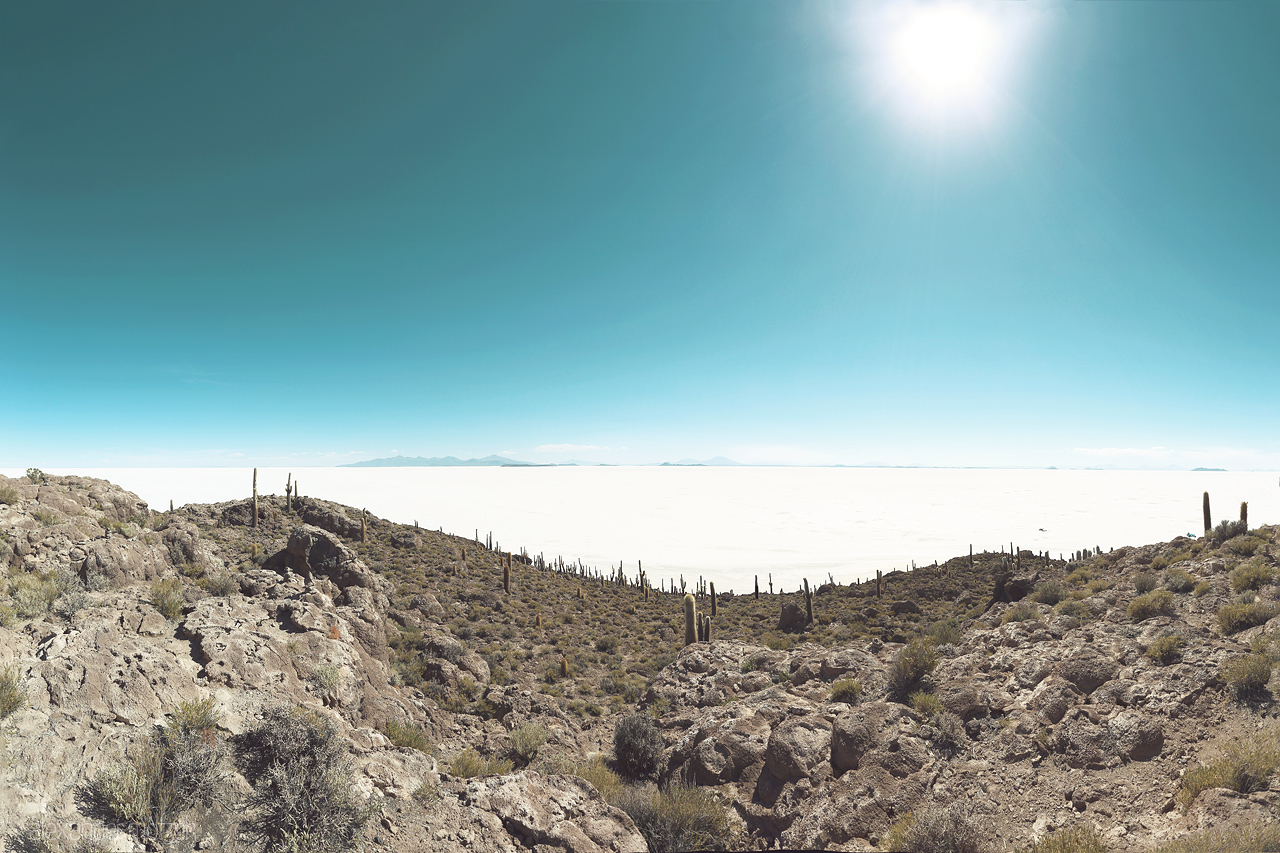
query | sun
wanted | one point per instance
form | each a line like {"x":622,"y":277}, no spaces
{"x":949,"y":64}
{"x":946,"y":52}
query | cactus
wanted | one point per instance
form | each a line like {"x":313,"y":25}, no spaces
{"x":971,"y":556}
{"x":537,"y":620}
{"x":877,"y":583}
{"x":757,"y":587}
{"x":1244,"y":515}
{"x":255,"y":498}
{"x":564,"y":667}
{"x":364,"y":531}
{"x":690,"y":619}
{"x":581,"y":595}
{"x":506,"y":578}
{"x":1208,"y":519}
{"x":808,"y":602}
{"x":170,"y":504}
{"x":706,"y":628}
{"x":714,"y":608}
{"x":288,"y":491}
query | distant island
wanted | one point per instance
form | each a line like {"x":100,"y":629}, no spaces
{"x":1208,"y":469}
{"x":444,"y":462}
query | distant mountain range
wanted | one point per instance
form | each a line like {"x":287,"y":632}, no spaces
{"x":504,"y":462}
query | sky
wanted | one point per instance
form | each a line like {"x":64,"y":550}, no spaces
{"x":984,"y":234}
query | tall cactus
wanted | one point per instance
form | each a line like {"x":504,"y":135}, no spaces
{"x":808,"y":602}
{"x":506,"y":577}
{"x":690,"y":619}
{"x":757,"y":587}
{"x":255,"y":498}
{"x":1208,"y":519}
{"x":1244,"y":515}
{"x":714,"y":607}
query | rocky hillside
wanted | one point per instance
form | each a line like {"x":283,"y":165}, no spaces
{"x":468,"y":699}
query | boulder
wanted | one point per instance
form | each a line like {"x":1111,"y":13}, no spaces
{"x":1136,"y":736}
{"x":792,"y":618}
{"x":1088,"y":670}
{"x":799,"y":748}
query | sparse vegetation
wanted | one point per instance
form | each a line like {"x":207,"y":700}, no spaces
{"x":1081,"y":838}
{"x":1260,"y":838}
{"x":1158,"y":602}
{"x":933,"y":830}
{"x":1144,"y":583}
{"x":926,"y":704}
{"x":1248,"y":676}
{"x":637,"y":746}
{"x":1049,"y":592}
{"x":910,"y":666}
{"x":469,"y":764}
{"x":1020,"y":612}
{"x":167,"y":597}
{"x":9,"y":495}
{"x":410,"y":736}
{"x":1245,"y":766}
{"x":1166,"y":650}
{"x":527,"y":739}
{"x":679,"y":818}
{"x":1179,"y":580}
{"x":846,"y":690}
{"x":13,"y":697}
{"x":303,"y":796}
{"x":1234,"y":618}
{"x":1254,"y":574}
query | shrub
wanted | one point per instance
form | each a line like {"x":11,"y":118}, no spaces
{"x":178,"y":768}
{"x":36,"y":476}
{"x":1075,"y":609}
{"x":1144,"y":582}
{"x":1097,"y":586}
{"x":604,"y":780}
{"x":469,"y":764}
{"x":1246,"y":546}
{"x":1160,"y":561}
{"x":527,"y":739}
{"x":1179,"y":581}
{"x":221,"y":584}
{"x":1247,"y":676}
{"x":1158,"y":602}
{"x":934,"y":830}
{"x":926,"y":703}
{"x":166,"y":596}
{"x":303,"y":797}
{"x":1080,"y":576}
{"x":1254,"y":574}
{"x":945,"y":632}
{"x":910,"y":665}
{"x":608,"y":645}
{"x":846,"y":690}
{"x":13,"y":697}
{"x":409,"y":736}
{"x":1227,"y":530}
{"x":1020,"y":612}
{"x":327,"y":678}
{"x":9,"y":495}
{"x":1202,"y":589}
{"x":1049,"y":592}
{"x":1233,"y":618}
{"x":1077,"y":839}
{"x":1166,"y":650}
{"x":1259,"y":838}
{"x":679,"y":818}
{"x":1245,"y":767}
{"x":750,"y":664}
{"x":951,"y":733}
{"x":637,"y":746}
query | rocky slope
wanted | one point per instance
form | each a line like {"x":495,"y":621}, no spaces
{"x":1031,"y":716}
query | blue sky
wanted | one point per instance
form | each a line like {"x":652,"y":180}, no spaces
{"x":309,"y":233}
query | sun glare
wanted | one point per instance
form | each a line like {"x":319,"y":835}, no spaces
{"x":949,"y":62}
{"x":946,"y":51}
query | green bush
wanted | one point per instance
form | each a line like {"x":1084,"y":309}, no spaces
{"x":1078,"y":839}
{"x":469,"y":764}
{"x":750,"y":664}
{"x":1179,"y":581}
{"x":910,"y":665}
{"x":36,"y":476}
{"x":1075,"y":609}
{"x":1143,"y":583}
{"x":847,"y":690}
{"x":945,"y":632}
{"x":1255,"y":574}
{"x":1258,"y":838}
{"x":13,"y":697}
{"x":1227,"y":530}
{"x":409,"y":736}
{"x":1245,"y":766}
{"x":1049,"y":592}
{"x":1167,"y":649}
{"x":1233,"y":618}
{"x":935,"y":830}
{"x":1202,"y":589}
{"x":1020,"y":612}
{"x":1247,"y":676}
{"x":1246,"y":546}
{"x":679,"y":818}
{"x":1080,"y":576}
{"x":926,"y":704}
{"x":527,"y":739}
{"x":1159,"y":562}
{"x":167,"y":597}
{"x":9,"y":495}
{"x":607,"y":644}
{"x":327,"y":678}
{"x":637,"y":746}
{"x":303,"y":797}
{"x":221,"y":584}
{"x":1158,"y":602}
{"x":179,"y":767}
